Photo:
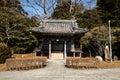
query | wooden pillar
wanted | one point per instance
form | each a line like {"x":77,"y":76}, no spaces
{"x":65,"y":49}
{"x":49,"y":49}
{"x":73,"y":54}
{"x":72,"y":45}
{"x":81,"y":51}
{"x":80,"y":54}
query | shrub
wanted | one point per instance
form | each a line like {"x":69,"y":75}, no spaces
{"x":72,"y":62}
{"x":5,"y":53}
{"x":19,"y":50}
{"x":24,"y":44}
{"x":26,"y":63}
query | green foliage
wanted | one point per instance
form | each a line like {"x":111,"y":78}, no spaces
{"x":116,"y":49}
{"x":14,"y":27}
{"x":33,"y":22}
{"x":13,"y":4}
{"x":116,"y":43}
{"x":12,"y":23}
{"x":5,"y":53}
{"x":62,"y":10}
{"x":88,"y":18}
{"x":109,"y":10}
{"x":67,"y":9}
{"x":23,"y":44}
{"x":18,"y":50}
{"x":95,"y":41}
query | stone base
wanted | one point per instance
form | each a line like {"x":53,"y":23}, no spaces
{"x":57,"y":55}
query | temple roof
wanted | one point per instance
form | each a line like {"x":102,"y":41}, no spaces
{"x":58,"y":27}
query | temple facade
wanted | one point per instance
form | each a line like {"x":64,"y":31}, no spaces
{"x":58,"y":39}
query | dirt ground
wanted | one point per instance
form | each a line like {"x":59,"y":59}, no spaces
{"x":114,"y":64}
{"x":57,"y":71}
{"x":103,"y":64}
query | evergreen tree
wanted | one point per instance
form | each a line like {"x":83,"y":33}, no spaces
{"x":62,"y":11}
{"x":88,"y":19}
{"x":4,"y":53}
{"x":66,"y":9}
{"x":13,"y":4}
{"x":14,"y":27}
{"x":109,"y":10}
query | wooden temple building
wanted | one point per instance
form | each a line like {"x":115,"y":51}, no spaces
{"x":58,"y":39}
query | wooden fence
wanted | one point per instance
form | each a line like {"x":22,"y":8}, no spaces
{"x":26,"y":63}
{"x":87,"y":63}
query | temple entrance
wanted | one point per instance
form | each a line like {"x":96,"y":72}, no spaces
{"x":57,"y":55}
{"x":58,"y":37}
{"x":57,"y":49}
{"x":57,"y":46}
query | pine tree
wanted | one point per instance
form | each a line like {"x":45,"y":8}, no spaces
{"x":14,"y":27}
{"x":109,"y":10}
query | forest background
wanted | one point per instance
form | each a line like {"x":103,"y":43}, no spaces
{"x":17,"y":16}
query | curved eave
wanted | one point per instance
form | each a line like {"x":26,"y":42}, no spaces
{"x":53,"y":33}
{"x":81,"y":30}
{"x":74,"y":32}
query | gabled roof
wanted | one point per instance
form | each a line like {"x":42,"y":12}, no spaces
{"x":55,"y":27}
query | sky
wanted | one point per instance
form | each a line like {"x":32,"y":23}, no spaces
{"x":87,"y":2}
{"x":39,"y":11}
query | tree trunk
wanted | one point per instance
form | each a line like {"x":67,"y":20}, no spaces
{"x":89,"y":52}
{"x":45,"y":12}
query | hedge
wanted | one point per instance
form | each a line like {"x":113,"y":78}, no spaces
{"x":77,"y":63}
{"x":26,"y":63}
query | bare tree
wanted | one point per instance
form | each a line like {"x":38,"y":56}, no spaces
{"x":46,"y":6}
{"x":77,"y":7}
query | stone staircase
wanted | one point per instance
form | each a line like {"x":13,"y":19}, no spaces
{"x":57,"y":55}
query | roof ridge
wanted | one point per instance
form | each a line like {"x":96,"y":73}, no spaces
{"x":52,"y":20}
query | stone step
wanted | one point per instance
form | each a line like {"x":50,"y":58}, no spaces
{"x":56,"y":55}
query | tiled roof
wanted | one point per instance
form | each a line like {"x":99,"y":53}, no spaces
{"x":58,"y":27}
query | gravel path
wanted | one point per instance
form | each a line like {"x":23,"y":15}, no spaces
{"x":56,"y":71}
